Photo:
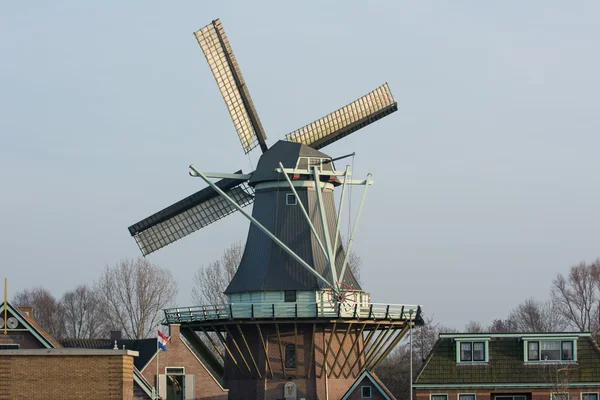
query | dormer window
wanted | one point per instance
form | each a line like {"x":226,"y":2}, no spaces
{"x":472,"y":350}
{"x":550,"y":350}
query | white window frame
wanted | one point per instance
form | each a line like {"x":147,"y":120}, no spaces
{"x":552,"y":396}
{"x":289,"y":196}
{"x":171,"y":374}
{"x":370,"y":392}
{"x":556,"y":339}
{"x":596,"y":393}
{"x":466,"y":394}
{"x":486,"y":349}
{"x":438,"y":394}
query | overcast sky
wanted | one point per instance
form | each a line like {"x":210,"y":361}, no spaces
{"x":486,"y":178}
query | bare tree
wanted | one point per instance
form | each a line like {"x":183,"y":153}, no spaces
{"x":501,"y":326}
{"x":536,"y":316}
{"x":474,"y":327}
{"x":47,"y":311}
{"x":210,"y":281}
{"x":576,"y":296}
{"x":133,"y":294}
{"x":82,"y":313}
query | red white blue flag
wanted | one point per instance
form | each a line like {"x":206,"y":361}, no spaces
{"x":162,"y":341}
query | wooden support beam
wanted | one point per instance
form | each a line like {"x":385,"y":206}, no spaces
{"x":280,"y":351}
{"x":312,"y":350}
{"x":213,"y":344}
{"x":335,"y":359}
{"x":262,"y":340}
{"x":358,"y":336}
{"x":370,"y":337}
{"x":328,"y":347}
{"x":225,"y":345}
{"x":391,"y":347}
{"x":249,"y":351}
{"x":296,"y":339}
{"x":375,"y":348}
{"x":374,"y":354}
{"x":237,"y":348}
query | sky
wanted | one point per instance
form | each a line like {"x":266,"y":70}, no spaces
{"x":486,"y":178}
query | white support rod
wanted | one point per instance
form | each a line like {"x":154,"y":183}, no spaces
{"x":337,"y":225}
{"x":242,"y":177}
{"x":260,"y":226}
{"x":356,"y":182}
{"x":310,"y":224}
{"x":351,"y":239}
{"x":330,"y":256}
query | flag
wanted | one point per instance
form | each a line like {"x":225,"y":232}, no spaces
{"x":162,"y":341}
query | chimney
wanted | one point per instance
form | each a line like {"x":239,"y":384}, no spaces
{"x":26,"y":310}
{"x":174,"y":331}
{"x":115,"y":335}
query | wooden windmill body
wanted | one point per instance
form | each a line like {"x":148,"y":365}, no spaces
{"x":297,"y":323}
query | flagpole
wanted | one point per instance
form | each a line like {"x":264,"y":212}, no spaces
{"x":157,"y":354}
{"x":5,"y":301}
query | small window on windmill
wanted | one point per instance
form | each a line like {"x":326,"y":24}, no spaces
{"x":289,"y":296}
{"x":290,"y":199}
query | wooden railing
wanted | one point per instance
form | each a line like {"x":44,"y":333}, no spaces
{"x":372,"y":311}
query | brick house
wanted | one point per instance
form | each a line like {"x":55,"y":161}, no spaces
{"x":511,"y":366}
{"x":368,"y":386}
{"x":33,"y":365}
{"x":182,"y":373}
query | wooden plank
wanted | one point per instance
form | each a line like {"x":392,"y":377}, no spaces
{"x":375,"y":348}
{"x":262,"y":340}
{"x":225,"y":345}
{"x":335,"y":359}
{"x":312,"y":350}
{"x":390,"y":347}
{"x":352,"y":348}
{"x":249,"y":351}
{"x":280,"y":351}
{"x":370,"y":337}
{"x":213,"y":344}
{"x":327,"y":348}
{"x":237,"y":348}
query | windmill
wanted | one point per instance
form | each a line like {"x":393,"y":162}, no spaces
{"x":294,"y":270}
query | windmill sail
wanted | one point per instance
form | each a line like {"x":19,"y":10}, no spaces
{"x":346,"y":120}
{"x":189,"y":215}
{"x":222,"y":62}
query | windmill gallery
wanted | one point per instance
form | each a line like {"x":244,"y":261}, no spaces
{"x":297,"y":324}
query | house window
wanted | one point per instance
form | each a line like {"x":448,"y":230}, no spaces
{"x":466,"y":396}
{"x":519,"y":397}
{"x":472,"y":351}
{"x":365,"y":392}
{"x":14,"y":346}
{"x":175,"y":371}
{"x":290,"y":199}
{"x":589,"y":396}
{"x":439,"y":397}
{"x":559,"y":396}
{"x":550,"y":350}
{"x":290,"y":356}
{"x":289,"y":296}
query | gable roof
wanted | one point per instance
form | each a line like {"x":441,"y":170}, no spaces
{"x":375,"y":381}
{"x":30,"y":323}
{"x":506,"y":363}
{"x":145,"y":347}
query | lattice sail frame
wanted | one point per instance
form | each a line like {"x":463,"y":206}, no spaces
{"x":338,"y":124}
{"x":192,"y":219}
{"x":219,"y":56}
